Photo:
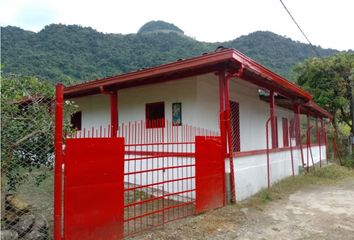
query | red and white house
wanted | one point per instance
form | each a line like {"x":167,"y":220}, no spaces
{"x":225,"y":93}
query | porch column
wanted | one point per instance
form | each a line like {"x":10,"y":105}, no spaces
{"x":221,"y":75}
{"x":297,"y":126}
{"x":334,"y":141}
{"x":324,"y":137}
{"x":113,"y":97}
{"x":308,"y":140}
{"x":318,"y":137}
{"x":272,"y":119}
{"x":229,"y":139}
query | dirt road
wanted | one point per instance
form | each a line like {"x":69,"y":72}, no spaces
{"x":315,"y":212}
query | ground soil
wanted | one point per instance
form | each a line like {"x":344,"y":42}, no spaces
{"x":314,"y":212}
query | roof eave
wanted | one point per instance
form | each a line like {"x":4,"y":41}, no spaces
{"x":170,"y":68}
{"x":259,"y":69}
{"x":230,"y":55}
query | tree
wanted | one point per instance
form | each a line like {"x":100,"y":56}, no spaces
{"x":27,"y":128}
{"x":331,"y":81}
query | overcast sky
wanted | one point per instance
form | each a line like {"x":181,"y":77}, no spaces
{"x":328,"y":23}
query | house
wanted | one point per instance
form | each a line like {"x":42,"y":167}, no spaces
{"x":224,"y":93}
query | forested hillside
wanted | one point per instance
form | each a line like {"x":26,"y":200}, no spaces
{"x":60,"y":52}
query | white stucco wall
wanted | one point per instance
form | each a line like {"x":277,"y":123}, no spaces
{"x":253,"y":111}
{"x":131,"y":103}
{"x":95,"y":111}
{"x":200,"y":107}
{"x":251,"y":171}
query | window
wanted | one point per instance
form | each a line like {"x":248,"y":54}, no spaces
{"x":76,"y":120}
{"x":285,"y":132}
{"x":235,"y":126}
{"x":155,"y":115}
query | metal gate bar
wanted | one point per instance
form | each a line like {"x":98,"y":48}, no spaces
{"x":159,"y":173}
{"x":158,"y":187}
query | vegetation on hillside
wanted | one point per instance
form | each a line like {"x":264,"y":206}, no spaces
{"x":154,"y":26}
{"x":278,"y":53}
{"x":61,"y":53}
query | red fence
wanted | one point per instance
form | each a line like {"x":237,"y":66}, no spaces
{"x":159,"y":183}
{"x":137,"y":132}
{"x":294,"y":141}
{"x":291,"y":136}
{"x":160,"y":171}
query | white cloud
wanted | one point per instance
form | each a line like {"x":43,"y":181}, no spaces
{"x":31,"y":15}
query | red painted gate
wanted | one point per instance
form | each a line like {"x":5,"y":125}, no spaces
{"x":117,"y":187}
{"x":93,"y":188}
{"x":210,"y":174}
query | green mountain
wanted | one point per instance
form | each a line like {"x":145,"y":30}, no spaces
{"x":159,"y":26}
{"x":60,"y":52}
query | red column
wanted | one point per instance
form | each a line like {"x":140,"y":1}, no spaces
{"x":222,"y":108}
{"x":318,"y":136}
{"x":335,"y":149}
{"x":272,"y":118}
{"x":229,"y":139}
{"x":326,"y":141}
{"x":308,"y":140}
{"x":222,"y":120}
{"x":113,"y":96}
{"x":58,"y":145}
{"x":323,"y":137}
{"x":316,"y":126}
{"x":297,"y":126}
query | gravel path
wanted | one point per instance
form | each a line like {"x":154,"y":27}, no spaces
{"x":317,"y":212}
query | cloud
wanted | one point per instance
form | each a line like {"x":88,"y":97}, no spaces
{"x":31,"y":15}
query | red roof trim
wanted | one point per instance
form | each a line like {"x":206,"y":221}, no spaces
{"x":229,"y":55}
{"x":313,"y":107}
{"x":188,"y":65}
{"x":199,"y":61}
{"x":258,"y":68}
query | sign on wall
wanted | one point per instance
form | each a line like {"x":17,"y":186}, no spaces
{"x":177,"y":114}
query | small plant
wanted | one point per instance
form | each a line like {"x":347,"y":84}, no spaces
{"x":348,"y":161}
{"x":333,"y":172}
{"x":266,"y":196}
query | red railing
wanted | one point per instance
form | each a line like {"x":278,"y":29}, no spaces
{"x":289,"y":129}
{"x":136,"y":132}
{"x":309,"y":149}
{"x":159,"y":184}
{"x":159,"y":170}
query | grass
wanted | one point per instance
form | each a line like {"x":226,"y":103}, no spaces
{"x":348,"y":161}
{"x":325,"y":175}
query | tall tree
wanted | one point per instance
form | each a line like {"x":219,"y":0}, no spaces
{"x":331,"y":81}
